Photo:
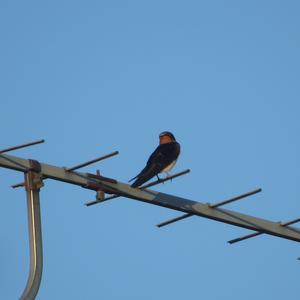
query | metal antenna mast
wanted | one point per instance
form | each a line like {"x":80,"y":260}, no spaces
{"x":33,"y":183}
{"x":35,"y":172}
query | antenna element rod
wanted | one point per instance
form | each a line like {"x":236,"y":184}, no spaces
{"x":248,"y":236}
{"x":92,"y":161}
{"x":211,"y":206}
{"x":21,"y":146}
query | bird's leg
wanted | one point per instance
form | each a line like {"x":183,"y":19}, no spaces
{"x":159,"y":180}
{"x":168,"y":175}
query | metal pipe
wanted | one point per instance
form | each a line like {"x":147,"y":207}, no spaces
{"x":248,"y":236}
{"x":211,"y":206}
{"x":22,"y":146}
{"x":35,"y":238}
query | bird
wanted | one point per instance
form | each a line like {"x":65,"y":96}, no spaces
{"x":161,"y":160}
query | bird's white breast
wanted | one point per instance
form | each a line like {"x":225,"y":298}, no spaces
{"x":169,"y":167}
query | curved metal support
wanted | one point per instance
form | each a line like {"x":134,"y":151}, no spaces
{"x":33,"y":184}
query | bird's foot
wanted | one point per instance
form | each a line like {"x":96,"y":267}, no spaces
{"x":169,"y":175}
{"x":158,"y":179}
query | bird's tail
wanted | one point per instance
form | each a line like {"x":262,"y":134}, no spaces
{"x":137,"y":183}
{"x":132,"y":179}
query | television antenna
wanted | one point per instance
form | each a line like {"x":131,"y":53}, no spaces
{"x":35,"y":173}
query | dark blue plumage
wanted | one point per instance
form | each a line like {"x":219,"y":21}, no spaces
{"x":161,"y":160}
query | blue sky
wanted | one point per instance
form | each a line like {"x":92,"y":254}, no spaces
{"x":91,"y":77}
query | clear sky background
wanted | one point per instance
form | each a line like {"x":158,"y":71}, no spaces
{"x":92,"y":77}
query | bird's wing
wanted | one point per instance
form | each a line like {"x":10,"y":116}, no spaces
{"x":154,"y":158}
{"x":165,"y":154}
{"x":147,"y":173}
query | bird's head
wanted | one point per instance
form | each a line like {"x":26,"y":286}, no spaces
{"x":166,"y":137}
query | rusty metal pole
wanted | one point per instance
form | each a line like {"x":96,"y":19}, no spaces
{"x":33,"y":184}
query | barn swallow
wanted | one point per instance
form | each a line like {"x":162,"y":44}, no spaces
{"x":162,"y":159}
